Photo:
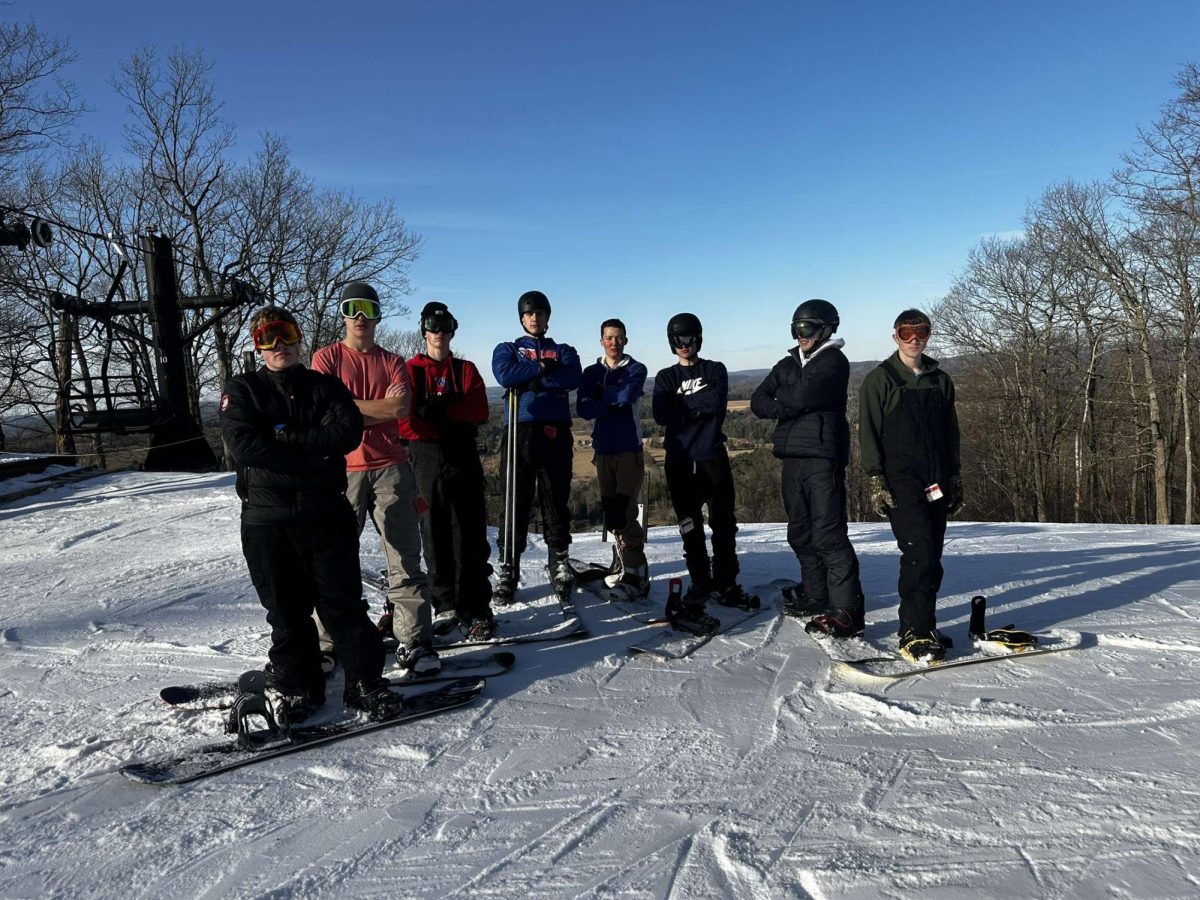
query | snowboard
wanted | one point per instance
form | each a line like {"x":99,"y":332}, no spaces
{"x":220,"y":694}
{"x":881,"y":658}
{"x":590,"y":577}
{"x":672,"y":644}
{"x":191,"y":764}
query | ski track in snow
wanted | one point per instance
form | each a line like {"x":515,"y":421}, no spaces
{"x":753,"y":769}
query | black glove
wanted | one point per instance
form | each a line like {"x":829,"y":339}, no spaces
{"x":954,"y":494}
{"x":549,"y":365}
{"x":434,"y":409}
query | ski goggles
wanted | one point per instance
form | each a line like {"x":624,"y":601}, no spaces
{"x":269,"y":334}
{"x":440,"y":322}
{"x":679,"y":341}
{"x":806,"y":328}
{"x":360,"y":306}
{"x":913,"y":332}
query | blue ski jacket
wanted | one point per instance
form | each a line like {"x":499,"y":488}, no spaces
{"x":543,"y":395}
{"x":612,"y":399}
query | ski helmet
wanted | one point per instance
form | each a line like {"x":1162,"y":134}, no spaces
{"x":532,"y":301}
{"x":436,"y":317}
{"x":817,"y":317}
{"x":359,"y":290}
{"x":684,"y":325}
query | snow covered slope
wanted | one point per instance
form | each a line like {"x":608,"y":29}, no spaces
{"x":752,"y":769}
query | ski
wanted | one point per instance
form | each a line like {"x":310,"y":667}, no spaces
{"x":671,"y":644}
{"x":208,"y":695}
{"x":180,"y":767}
{"x":572,"y":628}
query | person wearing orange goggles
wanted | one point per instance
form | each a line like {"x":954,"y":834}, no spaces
{"x":288,"y":429}
{"x":909,"y":439}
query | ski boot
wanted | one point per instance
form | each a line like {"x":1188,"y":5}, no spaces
{"x":922,"y":646}
{"x":375,"y":698}
{"x":733,"y":595}
{"x":561,"y":576}
{"x":686,"y":611}
{"x":385,"y":621}
{"x":837,"y":623}
{"x":419,"y":660}
{"x":482,"y":629}
{"x":505,"y":593}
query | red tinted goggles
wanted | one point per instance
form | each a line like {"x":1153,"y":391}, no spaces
{"x":267,"y":335}
{"x":913,"y":332}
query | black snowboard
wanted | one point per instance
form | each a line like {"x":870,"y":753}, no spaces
{"x":221,"y":756}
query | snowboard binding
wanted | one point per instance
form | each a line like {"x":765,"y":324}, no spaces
{"x":253,"y":718}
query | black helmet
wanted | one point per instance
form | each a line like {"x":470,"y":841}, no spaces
{"x":532,"y":301}
{"x":684,"y":325}
{"x":359,"y":290}
{"x":436,"y":317}
{"x":816,"y":312}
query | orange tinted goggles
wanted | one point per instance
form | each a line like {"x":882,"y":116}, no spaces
{"x":911,"y":332}
{"x":267,"y":335}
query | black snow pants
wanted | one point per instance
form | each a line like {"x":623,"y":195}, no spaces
{"x":692,"y":484}
{"x":297,"y":568}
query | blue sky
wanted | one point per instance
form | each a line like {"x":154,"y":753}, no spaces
{"x":642,"y":159}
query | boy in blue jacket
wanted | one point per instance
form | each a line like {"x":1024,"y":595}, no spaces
{"x":542,"y":372}
{"x":610,"y":395}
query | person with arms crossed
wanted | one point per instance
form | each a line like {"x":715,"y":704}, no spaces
{"x":379,"y":475}
{"x":540,"y":374}
{"x":806,"y":394}
{"x":610,"y":396}
{"x":288,"y":428}
{"x":449,"y":403}
{"x":690,"y":401}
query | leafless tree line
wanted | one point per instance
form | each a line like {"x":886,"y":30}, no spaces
{"x":257,"y":220}
{"x":1077,"y":393}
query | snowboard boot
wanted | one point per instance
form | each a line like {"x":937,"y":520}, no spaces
{"x":561,"y":576}
{"x":419,"y":660}
{"x":922,"y":646}
{"x":733,"y":595}
{"x":444,"y":623}
{"x":289,"y":703}
{"x":505,"y":593}
{"x":798,"y":605}
{"x":374,"y":697}
{"x":837,"y":623}
{"x":633,"y":582}
{"x":687,"y":613}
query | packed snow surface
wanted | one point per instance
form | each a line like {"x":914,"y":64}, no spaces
{"x":755,"y":768}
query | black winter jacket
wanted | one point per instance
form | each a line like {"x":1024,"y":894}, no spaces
{"x":809,"y":403}
{"x":289,"y":432}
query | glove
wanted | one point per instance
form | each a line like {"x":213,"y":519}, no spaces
{"x":549,"y":365}
{"x":283,"y":434}
{"x":434,"y":408}
{"x":881,"y":496}
{"x":698,"y":415}
{"x":954,"y":494}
